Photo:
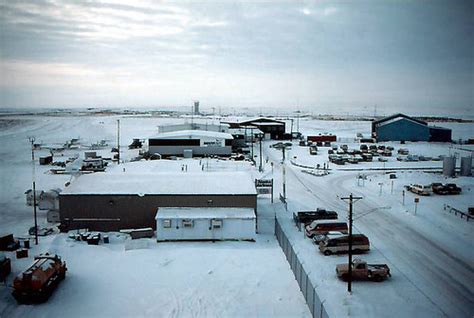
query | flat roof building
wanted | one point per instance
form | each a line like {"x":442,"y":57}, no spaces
{"x":191,"y":143}
{"x":110,"y":202}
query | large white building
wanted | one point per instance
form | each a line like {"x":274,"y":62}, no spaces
{"x":191,"y":143}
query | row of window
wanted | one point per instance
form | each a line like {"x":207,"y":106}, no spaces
{"x":188,"y":223}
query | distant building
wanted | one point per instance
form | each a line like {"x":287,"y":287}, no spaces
{"x":271,"y":128}
{"x":194,"y":126}
{"x":196,"y":107}
{"x":110,"y":202}
{"x":243,"y":135}
{"x":191,"y":143}
{"x":400,"y":127}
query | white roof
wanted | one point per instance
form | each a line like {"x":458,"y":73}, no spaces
{"x":189,"y":134}
{"x":183,"y":183}
{"x":398,"y":119}
{"x":265,"y":123}
{"x":205,"y":213}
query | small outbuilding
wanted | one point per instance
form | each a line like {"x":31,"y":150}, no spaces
{"x":205,"y":224}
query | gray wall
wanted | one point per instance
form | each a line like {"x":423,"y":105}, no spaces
{"x":197,"y":150}
{"x":133,"y":211}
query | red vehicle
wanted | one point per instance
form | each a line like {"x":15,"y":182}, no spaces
{"x":39,"y":280}
{"x":322,"y":138}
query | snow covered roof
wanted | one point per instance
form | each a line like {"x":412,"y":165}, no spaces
{"x":265,"y":123}
{"x":183,"y":134}
{"x":396,"y":117}
{"x":205,"y":213}
{"x":183,"y":183}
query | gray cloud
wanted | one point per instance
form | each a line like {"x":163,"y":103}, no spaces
{"x":239,"y":53}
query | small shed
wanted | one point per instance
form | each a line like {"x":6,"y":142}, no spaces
{"x":174,"y":224}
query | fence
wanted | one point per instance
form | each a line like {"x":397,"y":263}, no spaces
{"x":312,"y":299}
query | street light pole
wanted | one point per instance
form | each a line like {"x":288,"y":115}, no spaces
{"x":260,"y":142}
{"x":118,"y":141}
{"x":32,"y":141}
{"x":351,"y":200}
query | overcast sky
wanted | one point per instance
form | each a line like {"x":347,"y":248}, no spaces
{"x":400,"y":55}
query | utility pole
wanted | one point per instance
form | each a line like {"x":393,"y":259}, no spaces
{"x":251,"y":144}
{"x":118,"y":141}
{"x":351,"y":200}
{"x":260,"y":142}
{"x":32,"y":141}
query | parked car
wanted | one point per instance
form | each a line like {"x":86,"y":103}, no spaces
{"x":323,"y":227}
{"x":313,"y":150}
{"x":363,"y":271}
{"x":360,"y":243}
{"x":383,"y":159}
{"x":453,"y":188}
{"x":41,"y":231}
{"x":403,"y":151}
{"x":306,"y":217}
{"x":420,"y":189}
{"x":367,"y":157}
{"x":323,"y":237}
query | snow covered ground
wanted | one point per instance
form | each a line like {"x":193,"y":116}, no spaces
{"x":136,"y":278}
{"x":142,"y":278}
{"x":430,"y":253}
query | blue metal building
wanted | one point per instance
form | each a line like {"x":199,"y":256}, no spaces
{"x":400,"y":127}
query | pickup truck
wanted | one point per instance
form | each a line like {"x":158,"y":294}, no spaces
{"x":443,"y":189}
{"x":363,"y":271}
{"x":306,"y":217}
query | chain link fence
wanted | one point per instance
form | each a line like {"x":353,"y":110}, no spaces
{"x":312,"y":299}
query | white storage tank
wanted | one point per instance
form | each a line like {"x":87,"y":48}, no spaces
{"x":466,"y":166}
{"x":449,"y":166}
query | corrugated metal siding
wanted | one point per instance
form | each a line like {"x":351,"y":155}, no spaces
{"x":403,"y":130}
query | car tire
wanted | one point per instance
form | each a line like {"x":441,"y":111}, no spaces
{"x":327,"y":252}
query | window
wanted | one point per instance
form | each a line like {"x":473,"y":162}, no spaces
{"x":167,"y":223}
{"x":216,"y":223}
{"x":188,"y":223}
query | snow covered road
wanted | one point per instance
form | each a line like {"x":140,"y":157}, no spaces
{"x":435,"y":260}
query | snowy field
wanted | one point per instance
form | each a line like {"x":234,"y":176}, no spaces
{"x":430,"y":253}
